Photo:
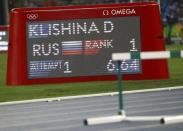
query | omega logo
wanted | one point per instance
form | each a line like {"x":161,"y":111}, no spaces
{"x":105,"y":12}
{"x":122,"y":11}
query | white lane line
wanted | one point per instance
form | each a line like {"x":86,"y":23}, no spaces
{"x":154,"y":94}
{"x":5,"y":116}
{"x":34,"y":128}
{"x":153,"y":104}
{"x":35,"y":112}
{"x":57,"y":128}
{"x":94,"y":101}
{"x":74,"y":112}
{"x":171,"y":98}
{"x":158,"y":109}
{"x":100,"y":105}
{"x":89,"y":96}
{"x":61,"y":107}
{"x":28,"y":122}
{"x":114,"y":100}
{"x":135,"y":127}
{"x":6,"y":119}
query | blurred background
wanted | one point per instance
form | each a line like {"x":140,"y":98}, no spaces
{"x":171,"y":11}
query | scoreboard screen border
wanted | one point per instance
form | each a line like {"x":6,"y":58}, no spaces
{"x":151,"y":39}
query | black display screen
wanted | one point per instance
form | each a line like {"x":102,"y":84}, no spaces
{"x":81,"y":47}
{"x":3,"y":40}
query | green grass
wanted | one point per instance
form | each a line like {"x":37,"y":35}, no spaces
{"x":174,"y":47}
{"x":13,"y":93}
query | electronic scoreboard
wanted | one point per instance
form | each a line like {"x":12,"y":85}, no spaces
{"x":75,"y":43}
{"x":65,"y":48}
{"x":3,"y":38}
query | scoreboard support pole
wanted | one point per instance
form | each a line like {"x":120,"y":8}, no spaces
{"x":121,"y":117}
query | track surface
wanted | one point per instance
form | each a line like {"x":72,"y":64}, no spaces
{"x":68,"y":115}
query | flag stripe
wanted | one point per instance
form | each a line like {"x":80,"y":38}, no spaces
{"x":72,"y":47}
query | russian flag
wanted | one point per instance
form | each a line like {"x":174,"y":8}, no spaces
{"x":72,"y":47}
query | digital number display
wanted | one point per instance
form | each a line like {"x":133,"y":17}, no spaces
{"x":81,"y":47}
{"x":3,"y":40}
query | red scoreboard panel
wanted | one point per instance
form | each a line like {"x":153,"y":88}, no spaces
{"x":75,"y":43}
